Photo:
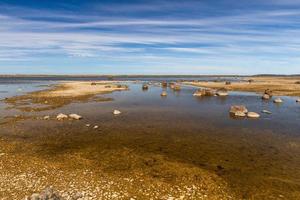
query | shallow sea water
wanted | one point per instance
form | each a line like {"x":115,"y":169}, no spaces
{"x":259,"y":158}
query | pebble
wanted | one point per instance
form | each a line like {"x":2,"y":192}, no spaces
{"x":277,"y":100}
{"x":75,"y":116}
{"x":61,"y":116}
{"x":95,"y":127}
{"x":87,"y":125}
{"x":47,"y":117}
{"x":253,"y":115}
{"x":163,"y":94}
{"x":116,"y":112}
{"x":266,"y":112}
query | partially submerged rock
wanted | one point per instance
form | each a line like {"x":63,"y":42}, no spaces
{"x":269,"y":92}
{"x":172,"y":85}
{"x":205,"y":92}
{"x":116,"y":112}
{"x":253,"y":115}
{"x":177,"y":87}
{"x":47,"y":194}
{"x":265,"y":97}
{"x":298,"y":100}
{"x":238,"y":111}
{"x":75,"y":116}
{"x":222,"y":92}
{"x":266,"y":112}
{"x":164,"y":94}
{"x":278,"y":100}
{"x":164,"y":84}
{"x":145,"y":87}
{"x":47,"y":117}
{"x":61,"y":116}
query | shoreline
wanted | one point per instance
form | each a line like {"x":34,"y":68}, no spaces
{"x":280,"y":86}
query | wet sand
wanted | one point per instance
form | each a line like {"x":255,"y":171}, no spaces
{"x":283,"y":86}
{"x":162,"y":148}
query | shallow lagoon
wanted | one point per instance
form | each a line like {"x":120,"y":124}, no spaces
{"x":257,"y":158}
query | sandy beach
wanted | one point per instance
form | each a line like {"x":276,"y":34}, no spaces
{"x":285,"y":86}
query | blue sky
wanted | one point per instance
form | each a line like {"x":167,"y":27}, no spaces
{"x":150,"y":37}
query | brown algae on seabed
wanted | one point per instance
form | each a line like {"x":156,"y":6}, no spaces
{"x":285,"y":86}
{"x":108,"y":171}
{"x":63,"y":94}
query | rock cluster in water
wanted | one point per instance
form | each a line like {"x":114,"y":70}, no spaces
{"x":242,"y":111}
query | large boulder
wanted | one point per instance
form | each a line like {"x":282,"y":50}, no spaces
{"x":238,"y":111}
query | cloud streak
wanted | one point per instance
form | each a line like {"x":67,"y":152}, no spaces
{"x":263,"y":37}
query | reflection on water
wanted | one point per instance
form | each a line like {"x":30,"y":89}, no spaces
{"x":256,"y":157}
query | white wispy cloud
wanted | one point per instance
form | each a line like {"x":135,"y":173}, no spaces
{"x":258,"y":35}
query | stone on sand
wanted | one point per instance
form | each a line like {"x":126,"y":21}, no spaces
{"x":238,"y":110}
{"x":265,"y":97}
{"x":61,"y":116}
{"x":164,"y":94}
{"x":253,"y":115}
{"x":277,"y":100}
{"x":47,"y":117}
{"x":75,"y":116}
{"x":116,"y":112}
{"x":266,"y":112}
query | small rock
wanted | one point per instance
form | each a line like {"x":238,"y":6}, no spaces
{"x":277,"y":100}
{"x":163,"y":94}
{"x":164,"y":84}
{"x":61,"y":116}
{"x":222,"y":93}
{"x":298,"y":100}
{"x":266,"y":111}
{"x":266,"y":97}
{"x":116,"y":112}
{"x":238,"y":110}
{"x":75,"y":116}
{"x":87,"y":125}
{"x":96,"y":127}
{"x":239,"y":114}
{"x":47,"y":117}
{"x":253,"y":115}
{"x":2,"y":154}
{"x":177,"y":87}
{"x":145,"y":87}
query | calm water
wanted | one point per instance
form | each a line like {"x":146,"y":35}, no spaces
{"x":257,"y":157}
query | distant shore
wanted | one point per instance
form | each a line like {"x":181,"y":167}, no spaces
{"x":280,"y":85}
{"x":138,"y":76}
